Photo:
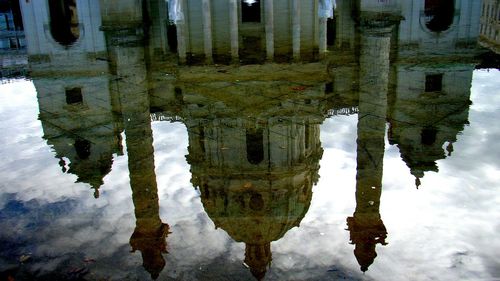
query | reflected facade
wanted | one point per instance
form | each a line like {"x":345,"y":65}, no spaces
{"x":490,"y":18}
{"x":252,"y":83}
{"x":255,"y":170}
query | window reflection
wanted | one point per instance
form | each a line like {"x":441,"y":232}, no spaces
{"x":439,"y":14}
{"x":64,"y":25}
{"x":433,"y":82}
{"x":74,"y":96}
{"x":250,"y":10}
{"x":255,"y":145}
{"x":82,"y":148}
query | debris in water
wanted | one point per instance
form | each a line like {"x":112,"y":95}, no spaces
{"x":24,"y":258}
{"x":299,"y":88}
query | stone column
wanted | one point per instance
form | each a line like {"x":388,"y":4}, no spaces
{"x":207,"y":30}
{"x":180,"y":25}
{"x":296,"y":29}
{"x":233,"y":25}
{"x":269,"y":22}
{"x":322,"y":36}
{"x":125,"y":43}
{"x":366,"y":227}
{"x":150,"y":232}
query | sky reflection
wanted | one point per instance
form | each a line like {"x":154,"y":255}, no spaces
{"x":445,"y":229}
{"x":248,"y":140}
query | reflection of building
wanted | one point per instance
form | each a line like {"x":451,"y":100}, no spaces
{"x":438,"y":26}
{"x":11,"y":27}
{"x":254,"y":160}
{"x":63,"y":33}
{"x":76,"y":106}
{"x":432,"y":58}
{"x":77,"y":119}
{"x":430,"y":85}
{"x":256,"y":181}
{"x":83,"y":113}
{"x":251,"y":31}
{"x":430,"y":108}
{"x":409,"y":75}
{"x":490,"y":25}
{"x":425,"y":26}
{"x":150,"y":232}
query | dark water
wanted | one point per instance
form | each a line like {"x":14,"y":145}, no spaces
{"x":135,"y":150}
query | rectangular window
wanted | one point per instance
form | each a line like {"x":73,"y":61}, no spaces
{"x":74,"y":96}
{"x":329,"y":88}
{"x":307,"y":134}
{"x":330,"y":32}
{"x":4,"y":22}
{"x":14,"y":44}
{"x":433,"y":82}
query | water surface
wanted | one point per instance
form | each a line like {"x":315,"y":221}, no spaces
{"x":368,"y":152}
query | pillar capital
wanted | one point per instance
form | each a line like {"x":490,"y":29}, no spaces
{"x":129,"y":35}
{"x":378,"y":23}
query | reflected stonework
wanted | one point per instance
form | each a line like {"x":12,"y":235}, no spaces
{"x":425,"y":124}
{"x":254,"y":130}
{"x":83,"y":134}
{"x":366,"y":226}
{"x":108,"y":105}
{"x":127,"y":59}
{"x":255,"y":173}
{"x":249,"y":32}
{"x":490,"y":27}
{"x":400,"y":80}
{"x":64,"y":21}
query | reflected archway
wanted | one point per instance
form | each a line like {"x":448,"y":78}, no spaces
{"x":64,"y":25}
{"x":439,"y":14}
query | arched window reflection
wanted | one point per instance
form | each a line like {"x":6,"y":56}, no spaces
{"x":439,"y":14}
{"x":307,"y":134}
{"x":64,"y":21}
{"x":82,"y":147}
{"x":428,"y":135}
{"x":256,"y":202}
{"x":255,"y":145}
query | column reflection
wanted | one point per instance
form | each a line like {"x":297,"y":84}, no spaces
{"x":129,"y":84}
{"x":366,"y":226}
